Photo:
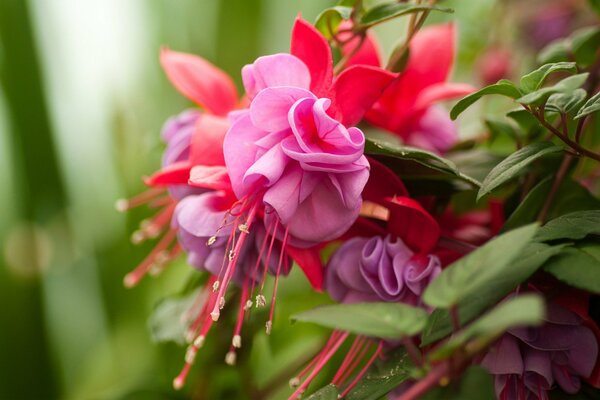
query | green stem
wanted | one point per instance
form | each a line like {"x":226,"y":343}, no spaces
{"x":560,"y":176}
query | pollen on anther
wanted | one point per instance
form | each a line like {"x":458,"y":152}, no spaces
{"x":138,"y":237}
{"x":199,"y":342}
{"x":221,"y":303}
{"x":211,"y":240}
{"x":231,"y":255}
{"x":190,"y":355}
{"x":243,"y":228}
{"x":129,"y":281}
{"x":269,"y":327}
{"x":230,"y":358}
{"x":236,"y":341}
{"x":121,"y":205}
{"x":294,"y":382}
{"x":178,"y":383}
{"x":215,"y":315}
{"x":261,"y":301}
{"x":215,"y":286}
{"x":248,"y":305}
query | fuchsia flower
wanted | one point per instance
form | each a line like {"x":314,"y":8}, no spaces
{"x":528,"y":362}
{"x":407,"y":107}
{"x":293,"y":150}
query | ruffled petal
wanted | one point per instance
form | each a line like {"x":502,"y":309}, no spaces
{"x":275,"y":70}
{"x":207,"y":140}
{"x":269,"y":109}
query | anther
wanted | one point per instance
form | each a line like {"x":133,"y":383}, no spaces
{"x":190,"y":354}
{"x":122,"y":205}
{"x":129,"y":281}
{"x":221,"y":303}
{"x":260,"y":301}
{"x":211,"y":240}
{"x":138,"y":237}
{"x":236,"y":341}
{"x":294,"y":382}
{"x":215,"y":315}
{"x":199,"y":342}
{"x":230,"y":358}
{"x":248,"y":305}
{"x":178,"y":383}
{"x":231,"y":255}
{"x":215,"y":286}
{"x":269,"y":327}
{"x":243,"y":228}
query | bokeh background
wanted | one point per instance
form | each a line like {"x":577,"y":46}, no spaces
{"x":82,"y":100}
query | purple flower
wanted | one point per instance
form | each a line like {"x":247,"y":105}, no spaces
{"x":527,"y":362}
{"x":200,"y":220}
{"x":379,"y":269}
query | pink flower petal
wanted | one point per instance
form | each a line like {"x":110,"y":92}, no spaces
{"x":369,"y":52}
{"x":435,"y":131}
{"x":442,"y":91}
{"x":200,"y":81}
{"x":312,"y":48}
{"x":356,"y":89}
{"x":210,"y":177}
{"x":269,"y":109}
{"x":275,"y":70}
{"x":207,"y":140}
{"x":175,"y":174}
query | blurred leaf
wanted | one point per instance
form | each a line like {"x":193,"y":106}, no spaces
{"x":566,"y":102}
{"x":523,"y":310}
{"x":166,"y":322}
{"x":578,"y":267}
{"x":498,"y":127}
{"x":439,"y":324}
{"x":387,"y":11}
{"x":476,"y":272}
{"x":515,"y":164}
{"x":584,"y":45}
{"x":383,"y":377}
{"x":571,"y":196}
{"x":590,"y":106}
{"x":384,"y":320}
{"x":557,"y":51}
{"x":534,"y":80}
{"x":573,"y":226}
{"x":595,"y":4}
{"x":502,"y":87}
{"x":474,"y":384}
{"x":329,"y":20}
{"x":423,"y":157}
{"x":329,"y":392}
{"x":566,"y":85}
{"x":526,"y":121}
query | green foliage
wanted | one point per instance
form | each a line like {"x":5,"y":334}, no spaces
{"x":515,"y":164}
{"x":533,"y":256}
{"x":591,"y":106}
{"x":474,"y":384}
{"x":477,"y":271}
{"x":566,"y":102}
{"x":503,"y":87}
{"x":423,"y":157}
{"x":523,"y":310}
{"x":578,"y":266}
{"x":384,"y":320}
{"x":383,"y":377}
{"x":390,"y":10}
{"x":572,"y":226}
{"x":330,"y":19}
{"x":329,"y":392}
{"x":540,"y":96}
{"x":166,"y":322}
{"x":580,"y":47}
{"x":535,"y":79}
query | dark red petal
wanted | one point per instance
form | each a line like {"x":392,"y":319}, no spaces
{"x":368,"y":54}
{"x":200,"y":81}
{"x":356,"y":89}
{"x":207,"y":140}
{"x":312,"y":48}
{"x":175,"y":174}
{"x":210,"y":177}
{"x":410,"y":222}
{"x":382,"y":183}
{"x":309,"y":261}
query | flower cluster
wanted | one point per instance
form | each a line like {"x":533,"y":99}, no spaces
{"x":254,"y":185}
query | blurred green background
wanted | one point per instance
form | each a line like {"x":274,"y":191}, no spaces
{"x":82,"y":100}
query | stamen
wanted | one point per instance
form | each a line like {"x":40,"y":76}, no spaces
{"x":269,"y":327}
{"x":258,"y":262}
{"x":243,"y":228}
{"x":364,"y":370}
{"x":357,"y":360}
{"x":356,"y":345}
{"x":322,"y":361}
{"x":281,"y":262}
{"x":236,"y":341}
{"x":215,"y":286}
{"x":142,"y":198}
{"x":230,"y":358}
{"x":211,"y":240}
{"x":261,"y":301}
{"x":132,"y":278}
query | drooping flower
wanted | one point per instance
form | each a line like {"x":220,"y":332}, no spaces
{"x":408,"y":107}
{"x":528,"y":362}
{"x":294,"y":150}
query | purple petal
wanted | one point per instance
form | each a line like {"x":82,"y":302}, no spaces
{"x":269,"y":109}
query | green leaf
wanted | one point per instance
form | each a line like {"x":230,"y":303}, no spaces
{"x":498,"y":127}
{"x":474,"y":384}
{"x":566,"y":102}
{"x":384,"y":320}
{"x":476,"y":272}
{"x":439,"y":324}
{"x":534,"y":80}
{"x":590,"y":106}
{"x":329,"y":392}
{"x":572,"y":226}
{"x":383,"y":377}
{"x":566,"y":85}
{"x":502,"y":87}
{"x":578,"y":267}
{"x":556,"y":51}
{"x":166,"y":322}
{"x":387,"y":11}
{"x":526,"y":121}
{"x":523,"y":310}
{"x":584,"y":45}
{"x":515,"y":164}
{"x":423,"y":157}
{"x":329,"y":20}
